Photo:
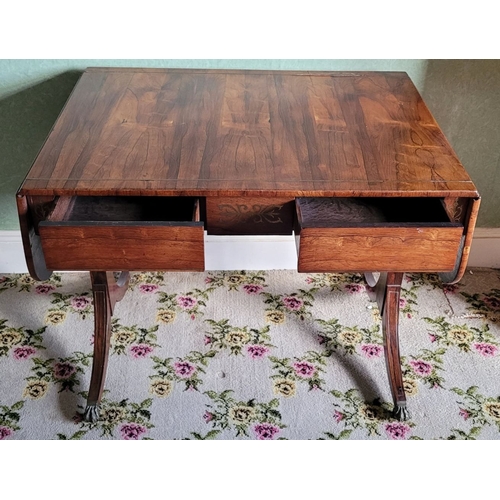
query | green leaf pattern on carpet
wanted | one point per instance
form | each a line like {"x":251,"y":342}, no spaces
{"x":250,"y":355}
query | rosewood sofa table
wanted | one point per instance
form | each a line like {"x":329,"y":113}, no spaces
{"x":141,"y":162}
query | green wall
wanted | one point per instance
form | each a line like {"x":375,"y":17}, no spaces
{"x":18,"y":74}
{"x":463,"y":95}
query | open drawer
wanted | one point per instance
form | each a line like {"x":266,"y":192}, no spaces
{"x":375,"y":234}
{"x":119,"y":233}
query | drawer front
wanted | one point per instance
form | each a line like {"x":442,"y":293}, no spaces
{"x":123,"y":234}
{"x":74,"y":247}
{"x":249,"y":215}
{"x":356,"y":235}
{"x":396,"y":249}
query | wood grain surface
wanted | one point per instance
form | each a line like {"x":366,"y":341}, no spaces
{"x":80,"y":247}
{"x":249,"y":215}
{"x":398,"y":249}
{"x":241,"y":133}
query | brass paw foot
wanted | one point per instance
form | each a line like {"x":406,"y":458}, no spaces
{"x":91,"y":413}
{"x":401,"y":412}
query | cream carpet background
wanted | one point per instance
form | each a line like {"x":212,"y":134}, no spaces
{"x":250,"y":355}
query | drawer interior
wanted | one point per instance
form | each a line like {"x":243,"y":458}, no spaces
{"x":372,"y":212}
{"x":126,"y":209}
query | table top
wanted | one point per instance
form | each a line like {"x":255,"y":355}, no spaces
{"x":236,"y":132}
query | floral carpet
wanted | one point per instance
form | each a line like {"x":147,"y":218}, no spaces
{"x":250,"y":355}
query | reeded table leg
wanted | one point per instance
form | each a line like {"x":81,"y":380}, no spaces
{"x":387,"y":291}
{"x":107,"y":292}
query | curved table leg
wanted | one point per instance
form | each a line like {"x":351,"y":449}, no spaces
{"x":387,"y":291}
{"x":106,"y":291}
{"x":390,"y":330}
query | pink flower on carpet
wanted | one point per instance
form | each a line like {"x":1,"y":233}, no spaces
{"x":492,"y":302}
{"x":338,"y":416}
{"x":304,"y":369}
{"x":408,"y":316}
{"x":207,"y":340}
{"x":353,"y":288}
{"x":77,"y":418}
{"x":184,"y":369}
{"x":371,"y":350}
{"x":208,"y":280}
{"x":186,"y":302}
{"x":132,"y":431}
{"x":140,"y":350}
{"x":148,"y":288}
{"x":252,"y":289}
{"x":432,"y":337}
{"x":464,"y":413}
{"x":5,"y":432}
{"x":486,"y":350}
{"x":402,"y":302}
{"x":208,"y":417}
{"x":44,"y":289}
{"x":80,"y":303}
{"x":397,"y":430}
{"x":421,"y":368}
{"x":266,"y":431}
{"x":309,"y":280}
{"x":292,"y":303}
{"x":23,"y":352}
{"x":450,"y":288}
{"x":257,"y":351}
{"x":63,"y":370}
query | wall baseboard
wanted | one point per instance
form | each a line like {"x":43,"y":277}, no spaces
{"x":12,"y":253}
{"x":254,"y":252}
{"x":485,"y":248}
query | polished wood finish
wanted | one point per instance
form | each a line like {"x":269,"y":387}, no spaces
{"x":107,"y":291}
{"x":241,"y":133}
{"x":403,"y":234}
{"x":472,"y":209}
{"x":389,"y":309}
{"x":400,"y":249}
{"x":248,"y":145}
{"x":250,"y":215}
{"x":32,"y":245}
{"x":147,"y":248}
{"x":115,"y":237}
